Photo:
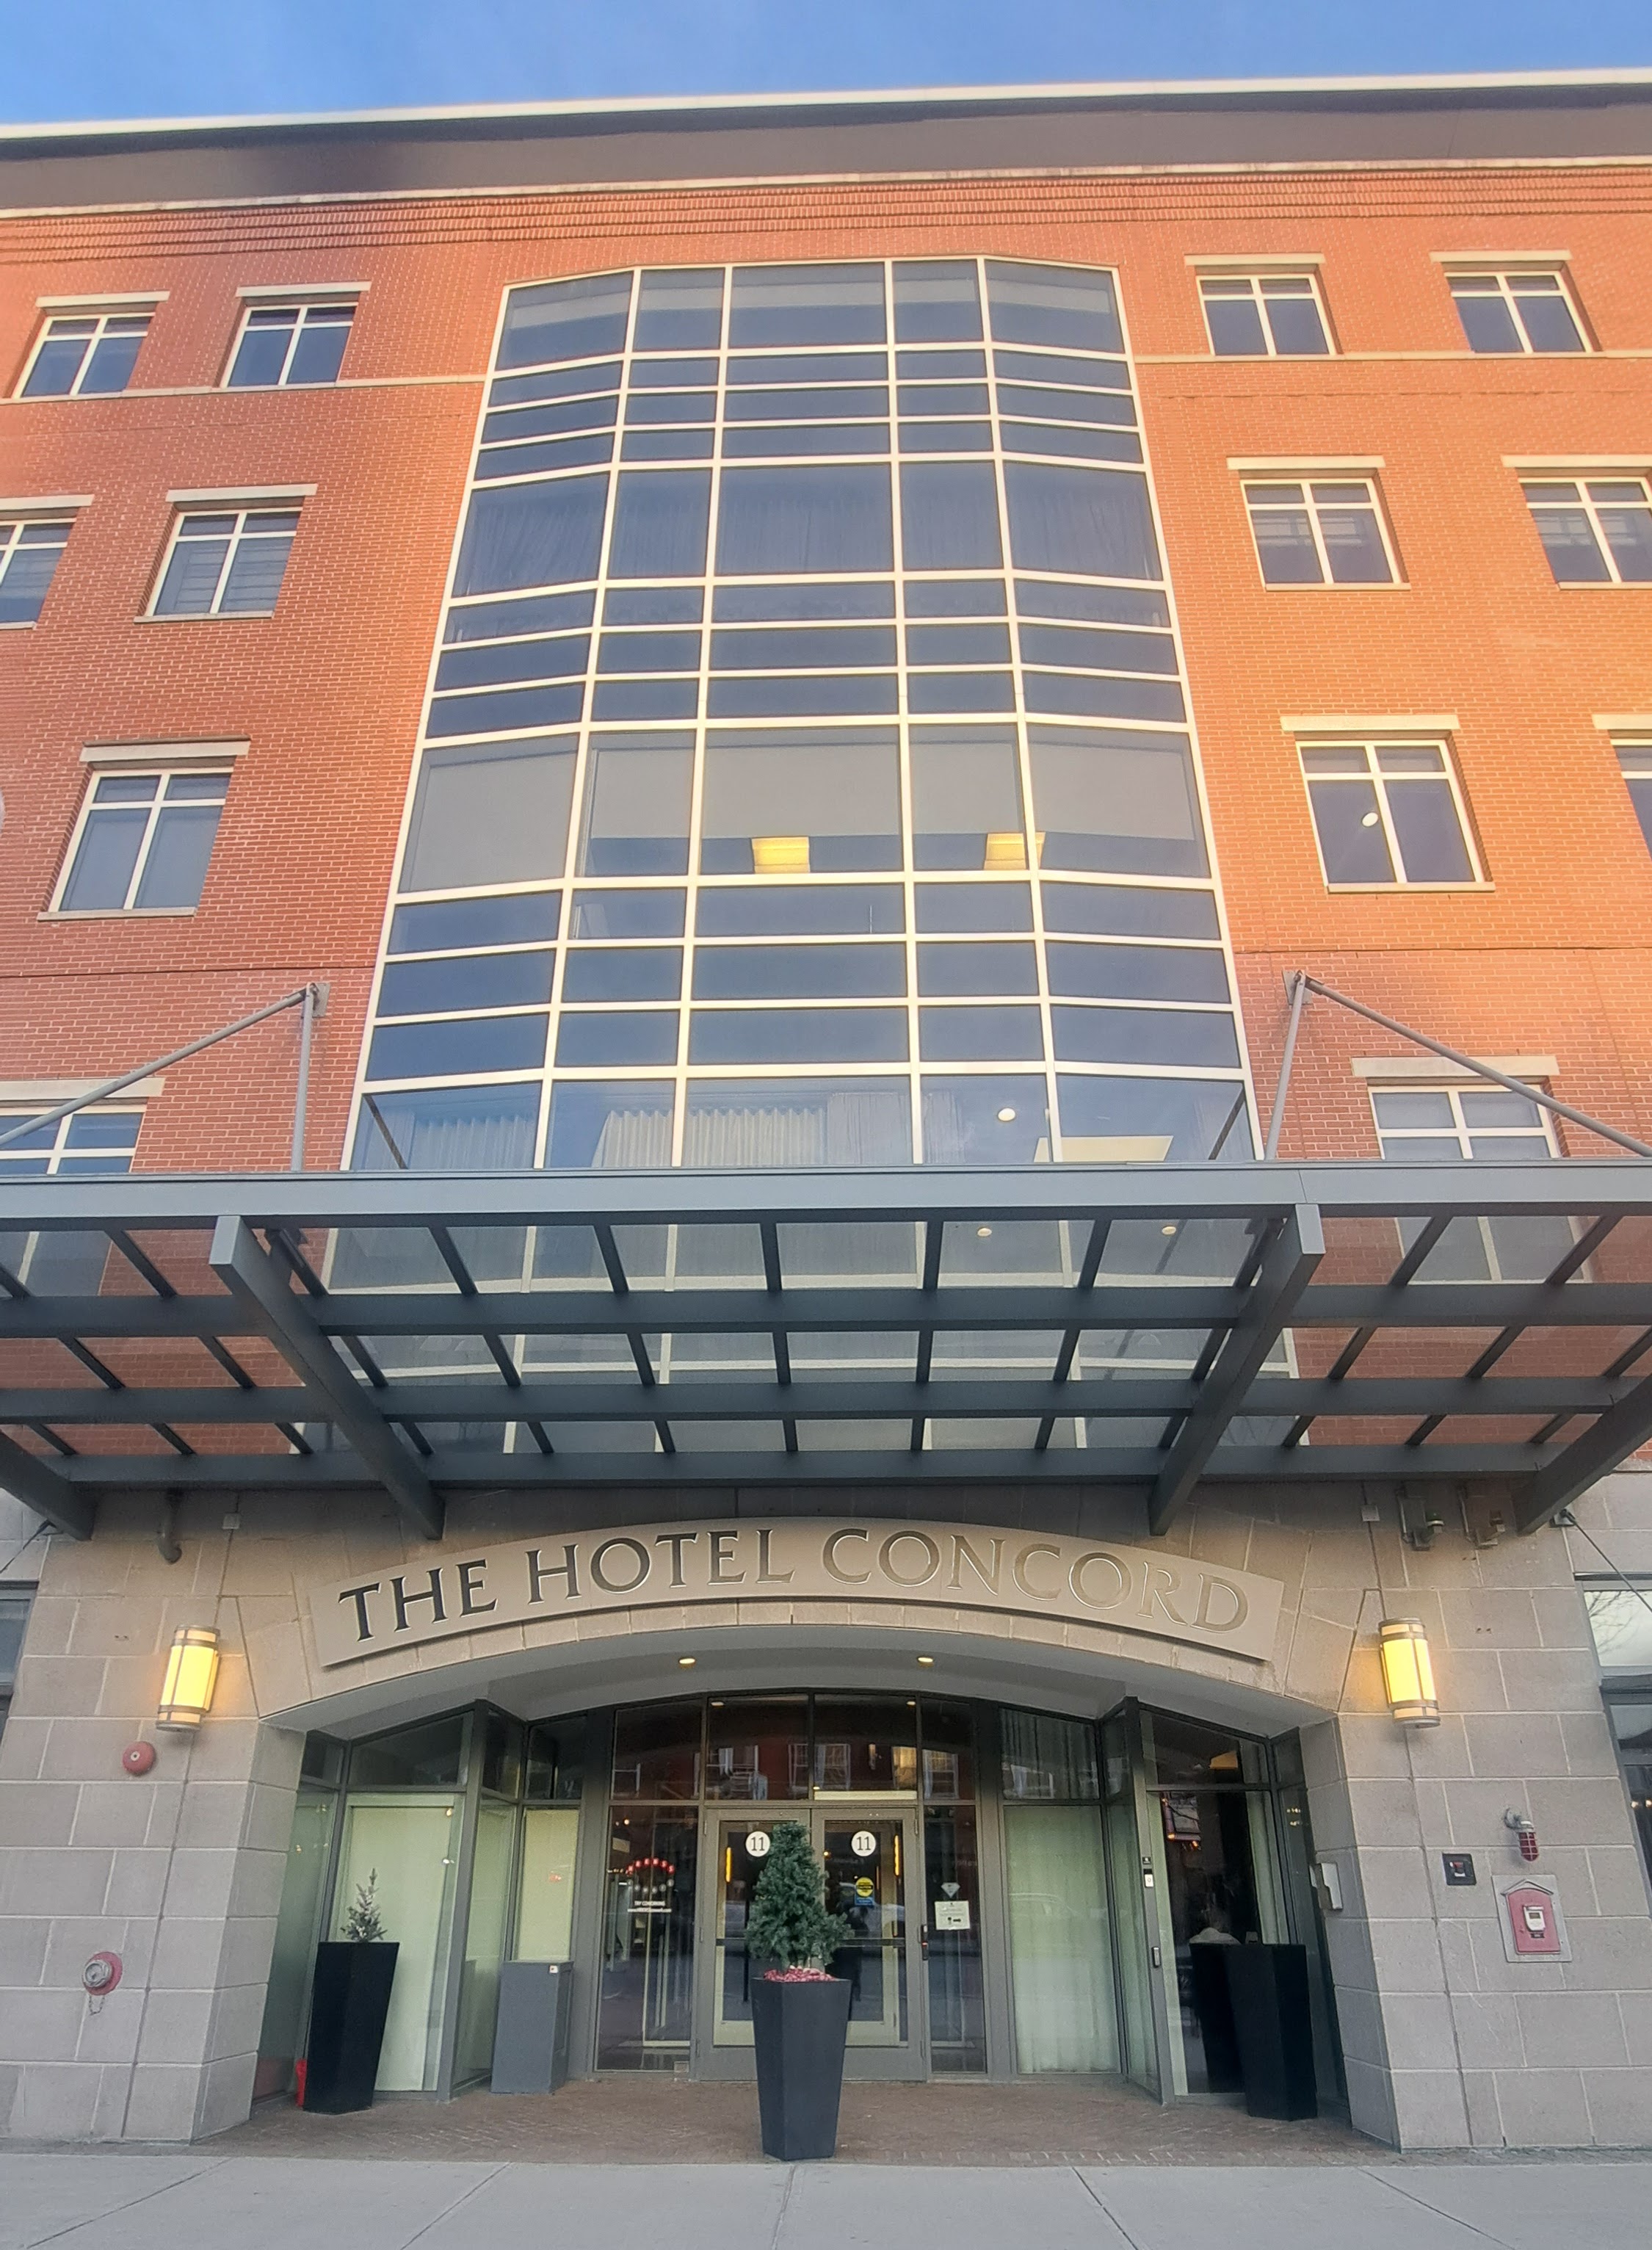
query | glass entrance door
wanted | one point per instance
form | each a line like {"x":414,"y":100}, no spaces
{"x":870,"y":1868}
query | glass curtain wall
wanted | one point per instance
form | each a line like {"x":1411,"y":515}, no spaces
{"x":304,"y":1898}
{"x":807,"y":780}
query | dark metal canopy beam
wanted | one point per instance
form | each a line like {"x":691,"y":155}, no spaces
{"x":582,"y":1396}
{"x":1111,"y":1466}
{"x":1287,"y":1265}
{"x":1622,"y":1429}
{"x":41,"y":1487}
{"x":253,"y":1280}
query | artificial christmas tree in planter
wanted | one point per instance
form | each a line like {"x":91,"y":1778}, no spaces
{"x":348,"y":2006}
{"x":799,"y":2015}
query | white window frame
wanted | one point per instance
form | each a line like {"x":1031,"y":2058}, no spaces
{"x":1258,"y":277}
{"x":1580,"y":479}
{"x":1505,"y":273}
{"x":102,"y":314}
{"x":1374,"y":745}
{"x":1634,"y":763}
{"x":243,"y":512}
{"x":13,"y":520}
{"x":1307,"y":479}
{"x":163,"y":770}
{"x":1391,"y":1141}
{"x":301,"y":301}
{"x":18,"y":1163}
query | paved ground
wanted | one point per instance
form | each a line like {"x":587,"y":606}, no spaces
{"x":649,"y":2119}
{"x":122,"y":2200}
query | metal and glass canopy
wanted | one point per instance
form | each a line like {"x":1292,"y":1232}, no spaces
{"x":1149,"y":1329}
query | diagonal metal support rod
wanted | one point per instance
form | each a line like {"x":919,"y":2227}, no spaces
{"x":1288,"y":1265}
{"x":1303,"y":984}
{"x":306,"y":996}
{"x":254,"y":1280}
{"x":1611,"y":1438}
{"x":30,"y":1479}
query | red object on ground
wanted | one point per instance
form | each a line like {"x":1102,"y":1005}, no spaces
{"x":300,"y":2072}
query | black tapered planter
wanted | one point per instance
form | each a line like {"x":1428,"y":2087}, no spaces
{"x":1273,"y":2025}
{"x":348,"y":2008}
{"x":801,"y":2030}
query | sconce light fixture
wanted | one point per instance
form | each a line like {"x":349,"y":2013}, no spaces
{"x":192,"y":1673}
{"x":1408,"y":1673}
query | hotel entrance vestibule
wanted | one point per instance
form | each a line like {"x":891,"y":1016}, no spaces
{"x":1024,"y":1892}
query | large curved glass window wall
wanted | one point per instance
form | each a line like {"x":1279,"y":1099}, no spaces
{"x":806,"y":777}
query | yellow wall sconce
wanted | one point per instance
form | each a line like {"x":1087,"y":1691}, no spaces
{"x":1408,"y":1673}
{"x":192,"y":1673}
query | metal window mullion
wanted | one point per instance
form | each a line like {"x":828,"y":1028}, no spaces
{"x":150,"y":826}
{"x":232,"y":548}
{"x":1379,"y":784}
{"x":1320,"y":548}
{"x":1602,"y":543}
{"x":904,"y":725}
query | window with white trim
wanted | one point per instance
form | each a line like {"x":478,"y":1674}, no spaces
{"x":1319,"y":533}
{"x":1522,"y":311}
{"x":84,"y":355}
{"x":1474,"y":1124}
{"x":1388,"y":813}
{"x":228,"y":562}
{"x":1264,"y":316}
{"x":104,"y":1139}
{"x":287,"y":346}
{"x":1595,"y":531}
{"x":142,"y":842}
{"x":1636,"y":760}
{"x":29,"y":553}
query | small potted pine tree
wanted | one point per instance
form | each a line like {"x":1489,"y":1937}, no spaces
{"x":800,"y":2013}
{"x":349,"y":2004}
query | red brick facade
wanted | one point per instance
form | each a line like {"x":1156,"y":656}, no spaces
{"x":1554,"y":957}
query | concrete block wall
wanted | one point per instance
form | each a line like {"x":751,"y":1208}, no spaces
{"x":178,"y":1871}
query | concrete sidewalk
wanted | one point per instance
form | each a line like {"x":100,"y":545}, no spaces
{"x":116,"y":2200}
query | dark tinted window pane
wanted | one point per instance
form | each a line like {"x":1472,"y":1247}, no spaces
{"x":1154,"y":1119}
{"x":492,"y":815}
{"x":109,"y":846}
{"x":1298,"y":332}
{"x":476,"y":980}
{"x":636,"y":806}
{"x":319,"y":353}
{"x":656,"y":1751}
{"x":566,"y":320}
{"x":936,"y":302}
{"x":1235,"y":327}
{"x":945,"y":906}
{"x":980,"y":1035}
{"x":1285,"y":548}
{"x":627,"y":913}
{"x":801,"y":910}
{"x":1430,"y":836}
{"x":1181,"y":1751}
{"x":1048,"y":1759}
{"x":630,"y":972}
{"x":1058,"y":304}
{"x":431,"y":1756}
{"x":807,"y":305}
{"x":615,"y":1127}
{"x":533,"y":536}
{"x":461,"y":1128}
{"x":176,"y":869}
{"x":1137,"y":972}
{"x":57,"y":364}
{"x":660,"y":523}
{"x":1090,"y":523}
{"x":513,"y":920}
{"x":967,"y":799}
{"x":793,"y":1122}
{"x":870,"y":1744}
{"x":775,"y":521}
{"x":255,"y":575}
{"x":798,"y":1035}
{"x":949,"y":517}
{"x":985,"y":1121}
{"x":1351,"y":842}
{"x":636,"y":1037}
{"x":1115,"y":800}
{"x":454,"y":1048}
{"x":263,"y":350}
{"x":1101,"y":606}
{"x":1549,"y":324}
{"x":759,"y":1751}
{"x":1186,"y":1041}
{"x":680,"y":309}
{"x":1487,"y":323}
{"x":114,"y":357}
{"x":799,"y":972}
{"x":808,"y":800}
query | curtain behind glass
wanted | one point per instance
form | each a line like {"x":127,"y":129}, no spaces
{"x":536,"y":534}
{"x":1089,"y":523}
{"x":1060,"y":1942}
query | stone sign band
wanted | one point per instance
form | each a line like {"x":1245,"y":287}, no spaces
{"x":941,"y":1565}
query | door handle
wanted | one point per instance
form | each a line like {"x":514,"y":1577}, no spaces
{"x":923,"y":1939}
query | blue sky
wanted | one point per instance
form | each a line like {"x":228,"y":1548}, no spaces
{"x":85,"y":58}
